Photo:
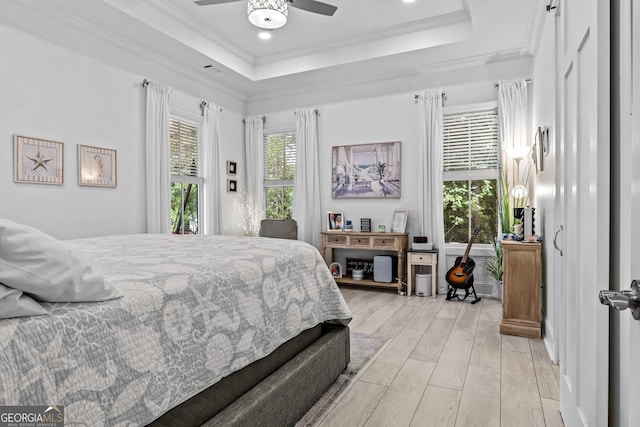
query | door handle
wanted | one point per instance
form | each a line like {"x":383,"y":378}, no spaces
{"x":555,"y":239}
{"x":629,"y":298}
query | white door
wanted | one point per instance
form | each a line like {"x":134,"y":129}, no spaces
{"x":583,"y":80}
{"x":625,"y":329}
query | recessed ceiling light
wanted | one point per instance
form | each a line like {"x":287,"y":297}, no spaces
{"x":264,"y":35}
{"x":409,"y":1}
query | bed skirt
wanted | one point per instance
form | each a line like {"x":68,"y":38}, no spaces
{"x":274,"y":391}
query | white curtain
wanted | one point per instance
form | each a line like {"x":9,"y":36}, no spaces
{"x":211,"y":142}
{"x":430,"y":201}
{"x":254,"y":153}
{"x":306,"y":191}
{"x":158,"y":174}
{"x":512,"y":114}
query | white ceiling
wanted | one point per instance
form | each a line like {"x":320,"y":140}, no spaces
{"x":365,"y":41}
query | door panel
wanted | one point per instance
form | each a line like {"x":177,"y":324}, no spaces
{"x":626,"y":353}
{"x":584,"y":106}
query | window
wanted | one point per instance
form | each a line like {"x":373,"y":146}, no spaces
{"x":279,"y":170}
{"x":471,"y":171}
{"x":187,"y":179}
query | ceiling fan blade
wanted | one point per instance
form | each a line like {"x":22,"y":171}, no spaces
{"x":208,"y":2}
{"x":314,"y":6}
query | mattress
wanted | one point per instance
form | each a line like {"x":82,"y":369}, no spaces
{"x":194,"y":309}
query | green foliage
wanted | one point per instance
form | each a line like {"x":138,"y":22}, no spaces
{"x":470,"y":204}
{"x":184,"y":208}
{"x":493,"y":265}
{"x":506,"y":213}
{"x":279,"y":202}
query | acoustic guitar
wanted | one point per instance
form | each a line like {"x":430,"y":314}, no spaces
{"x":461,"y":274}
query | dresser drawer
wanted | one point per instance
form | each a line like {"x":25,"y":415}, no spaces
{"x":359,"y":242}
{"x":337,"y":240}
{"x":384,"y":242}
{"x":420,"y":258}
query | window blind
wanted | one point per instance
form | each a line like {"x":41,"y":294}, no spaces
{"x":279,"y":158}
{"x":471,"y":140}
{"x":185,"y":150}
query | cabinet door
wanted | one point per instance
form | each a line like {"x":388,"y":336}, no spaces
{"x":522,"y":282}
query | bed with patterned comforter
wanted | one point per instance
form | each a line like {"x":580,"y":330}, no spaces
{"x":193,"y":310}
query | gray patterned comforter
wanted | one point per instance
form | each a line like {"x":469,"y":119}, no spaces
{"x":194,"y":309}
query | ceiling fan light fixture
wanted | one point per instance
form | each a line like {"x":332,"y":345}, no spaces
{"x":268,"y":14}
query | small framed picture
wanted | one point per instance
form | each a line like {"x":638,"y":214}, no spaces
{"x":538,"y":151}
{"x":232,"y":167}
{"x":38,"y":161}
{"x":232,"y":185}
{"x":335,"y":221}
{"x":399,"y":222}
{"x":97,"y":166}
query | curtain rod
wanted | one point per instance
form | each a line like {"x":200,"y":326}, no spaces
{"x":204,"y":104}
{"x":444,"y":96}
{"x":526,"y":80}
{"x":145,"y":83}
{"x":263,"y":119}
{"x":315,"y":111}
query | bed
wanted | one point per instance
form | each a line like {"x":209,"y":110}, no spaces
{"x":204,"y":330}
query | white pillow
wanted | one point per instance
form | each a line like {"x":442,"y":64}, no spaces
{"x":48,"y":269}
{"x":13,"y":303}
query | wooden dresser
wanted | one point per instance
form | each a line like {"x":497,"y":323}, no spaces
{"x":522,"y":279}
{"x":395,"y":242}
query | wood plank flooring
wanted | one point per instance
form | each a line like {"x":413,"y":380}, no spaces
{"x":445,"y":364}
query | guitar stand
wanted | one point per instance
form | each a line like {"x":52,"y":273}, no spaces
{"x":468,"y":287}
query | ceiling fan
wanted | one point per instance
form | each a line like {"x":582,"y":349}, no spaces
{"x":272,"y":14}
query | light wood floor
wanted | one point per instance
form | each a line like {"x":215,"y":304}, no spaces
{"x":445,"y":364}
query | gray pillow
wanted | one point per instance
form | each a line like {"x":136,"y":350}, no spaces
{"x":48,"y":269}
{"x":13,"y":303}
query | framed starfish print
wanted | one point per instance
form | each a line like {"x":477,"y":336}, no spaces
{"x":38,"y":161}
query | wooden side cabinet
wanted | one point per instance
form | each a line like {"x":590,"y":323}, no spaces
{"x":521,"y":293}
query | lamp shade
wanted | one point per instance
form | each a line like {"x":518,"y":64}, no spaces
{"x":268,"y":14}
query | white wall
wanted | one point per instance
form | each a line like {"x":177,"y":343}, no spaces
{"x":55,"y":93}
{"x":543,"y":114}
{"x":381,"y":119}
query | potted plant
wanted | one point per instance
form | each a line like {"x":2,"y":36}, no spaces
{"x":493,"y":266}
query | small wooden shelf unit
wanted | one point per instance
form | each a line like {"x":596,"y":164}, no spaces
{"x":394,"y":242}
{"x":416,"y":258}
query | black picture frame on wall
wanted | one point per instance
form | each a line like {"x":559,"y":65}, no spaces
{"x":232,"y":167}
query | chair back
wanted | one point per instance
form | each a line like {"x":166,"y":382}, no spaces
{"x":279,"y":228}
